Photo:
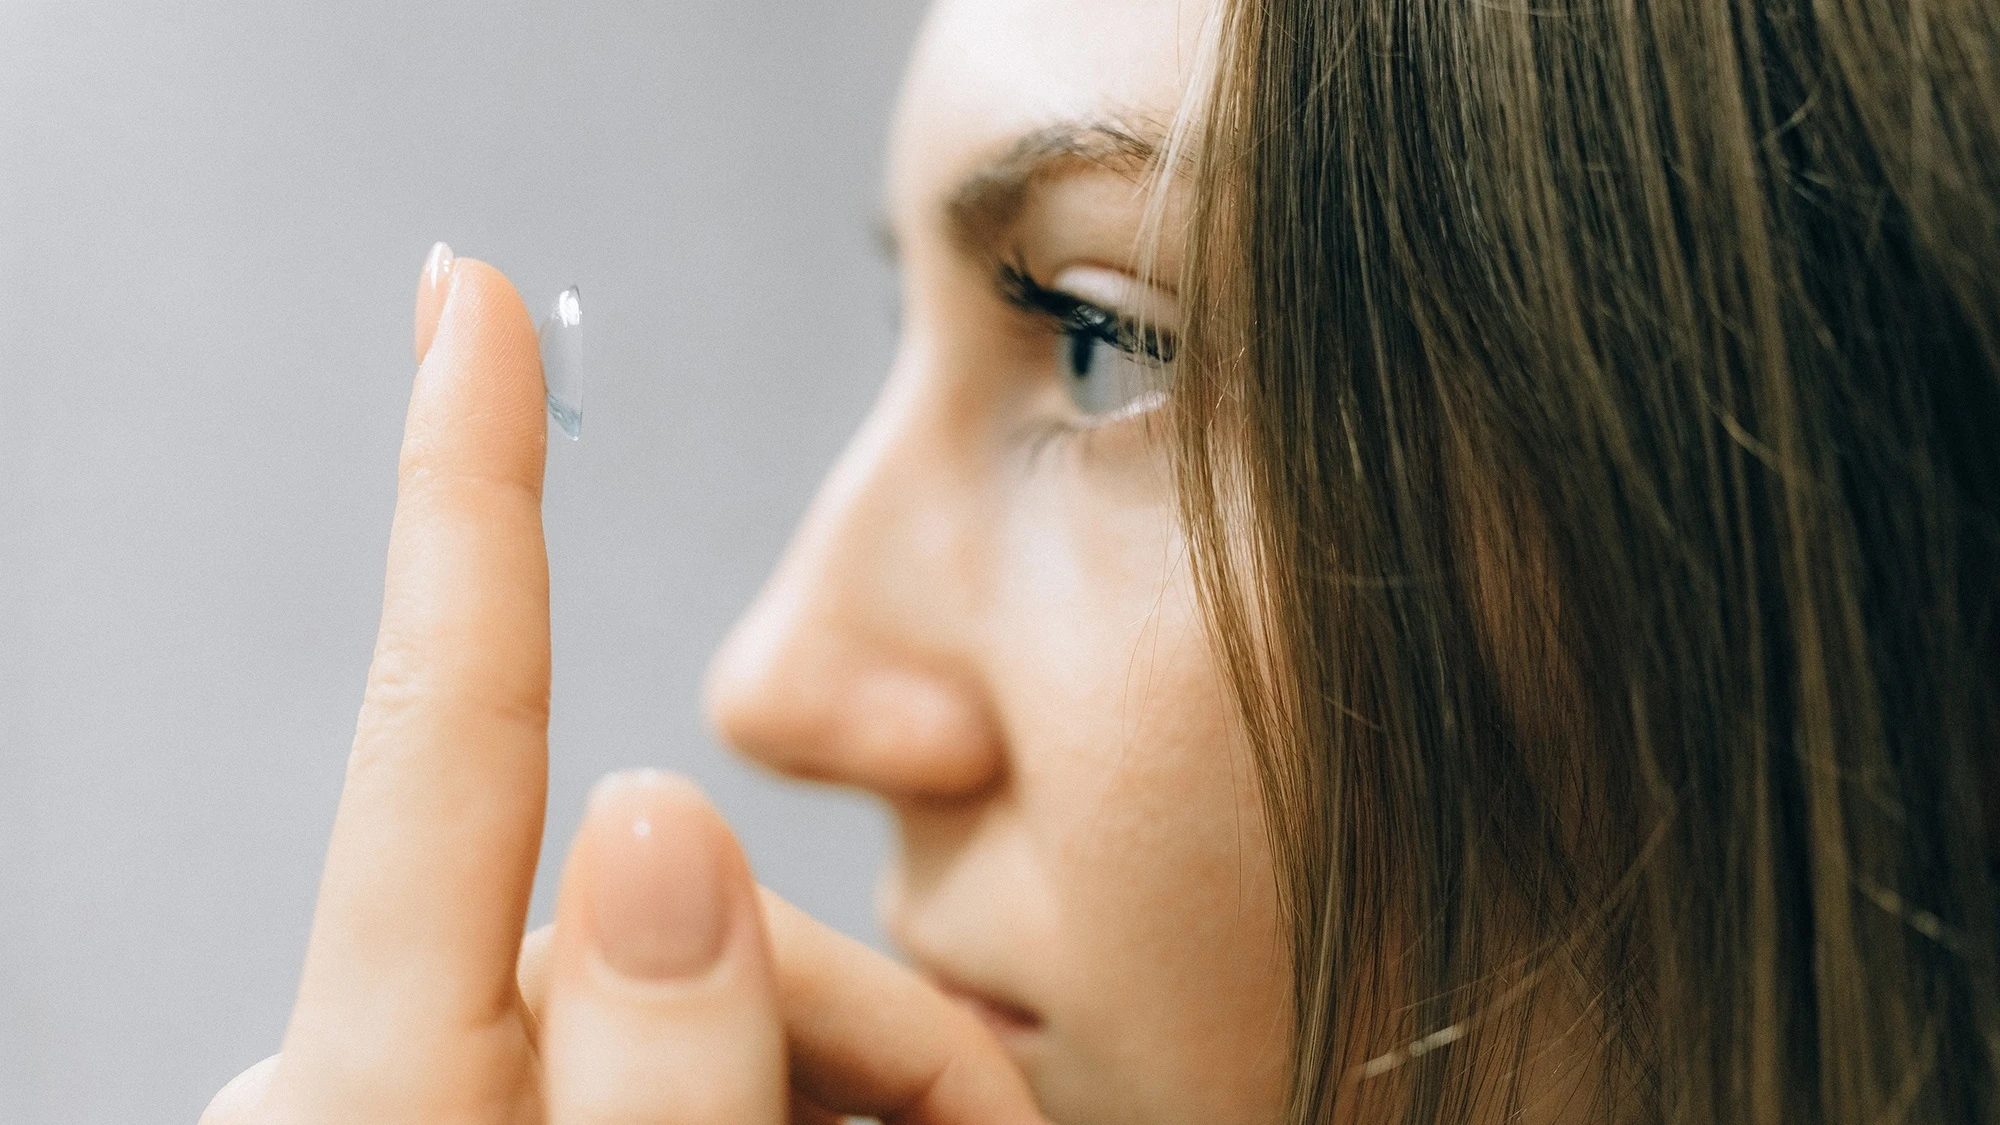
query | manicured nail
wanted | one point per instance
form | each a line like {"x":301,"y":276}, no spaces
{"x":657,"y":891}
{"x":612,"y":784}
{"x":432,"y":288}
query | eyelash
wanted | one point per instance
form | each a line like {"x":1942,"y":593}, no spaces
{"x":1074,"y":316}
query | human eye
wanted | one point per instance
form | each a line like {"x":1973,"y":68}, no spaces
{"x":1114,"y":357}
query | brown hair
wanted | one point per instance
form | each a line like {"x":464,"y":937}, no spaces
{"x":1589,"y":443}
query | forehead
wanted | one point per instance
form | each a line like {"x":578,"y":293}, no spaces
{"x":987,"y":73}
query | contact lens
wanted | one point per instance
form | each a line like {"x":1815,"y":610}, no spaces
{"x":562,"y":361}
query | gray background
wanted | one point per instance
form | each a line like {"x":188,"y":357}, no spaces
{"x":211,"y":221}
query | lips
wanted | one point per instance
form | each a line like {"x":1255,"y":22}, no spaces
{"x":1009,"y":1021}
{"x":1018,"y":1026}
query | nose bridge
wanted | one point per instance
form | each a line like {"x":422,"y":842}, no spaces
{"x":887,"y":546}
{"x":858,"y":661}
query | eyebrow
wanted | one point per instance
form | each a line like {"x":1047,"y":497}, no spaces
{"x":986,"y":204}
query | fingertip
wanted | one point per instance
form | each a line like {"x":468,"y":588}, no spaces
{"x":476,"y":409}
{"x":661,"y":991}
{"x":664,"y":883}
{"x":480,"y":311}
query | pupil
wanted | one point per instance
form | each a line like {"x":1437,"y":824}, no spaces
{"x":1082,"y":346}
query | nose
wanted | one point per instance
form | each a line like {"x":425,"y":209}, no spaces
{"x":858,"y":662}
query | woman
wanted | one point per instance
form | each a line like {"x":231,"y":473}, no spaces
{"x":1417,"y":561}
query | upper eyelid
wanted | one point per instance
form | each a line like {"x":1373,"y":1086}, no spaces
{"x":1018,"y":287}
{"x":1020,"y":290}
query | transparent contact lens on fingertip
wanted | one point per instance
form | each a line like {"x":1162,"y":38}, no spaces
{"x":562,"y":361}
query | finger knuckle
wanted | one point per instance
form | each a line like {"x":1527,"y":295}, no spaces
{"x":427,"y":469}
{"x":415,"y":685}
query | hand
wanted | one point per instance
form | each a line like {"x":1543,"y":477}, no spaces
{"x":665,"y":993}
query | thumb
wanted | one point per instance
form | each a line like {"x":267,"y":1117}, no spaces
{"x":660,"y":1006}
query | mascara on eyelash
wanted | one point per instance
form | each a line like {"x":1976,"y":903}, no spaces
{"x":1074,"y":314}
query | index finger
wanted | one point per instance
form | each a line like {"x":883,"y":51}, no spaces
{"x":428,"y":874}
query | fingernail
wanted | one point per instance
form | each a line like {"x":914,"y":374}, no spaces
{"x":432,"y":286}
{"x":657,"y":891}
{"x":612,"y":784}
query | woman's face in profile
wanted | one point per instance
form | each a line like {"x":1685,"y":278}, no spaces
{"x":987,"y":617}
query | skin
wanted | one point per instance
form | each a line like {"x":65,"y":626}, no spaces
{"x":668,"y":991}
{"x":987,"y":619}
{"x":1001,"y":639}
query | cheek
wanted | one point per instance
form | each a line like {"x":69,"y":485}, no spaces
{"x":1156,"y":814}
{"x":1139,"y":797}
